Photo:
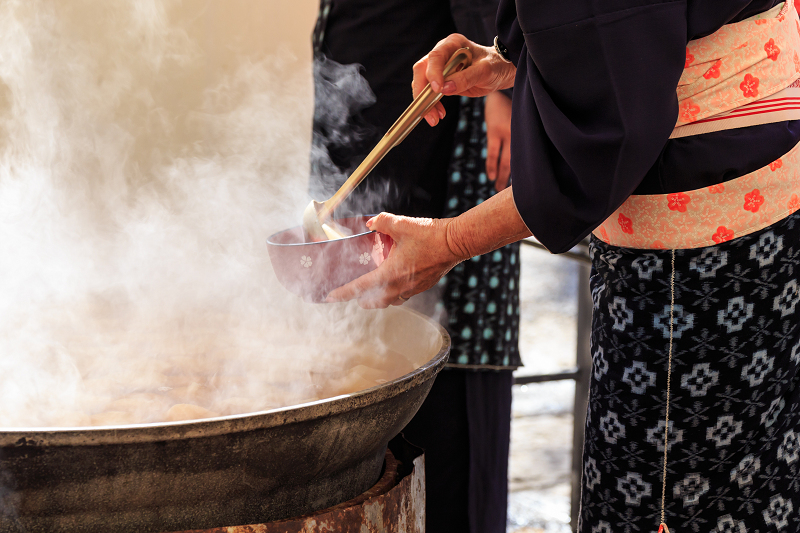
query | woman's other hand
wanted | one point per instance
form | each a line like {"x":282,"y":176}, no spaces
{"x":420,"y":257}
{"x":497,"y":111}
{"x":488,"y":73}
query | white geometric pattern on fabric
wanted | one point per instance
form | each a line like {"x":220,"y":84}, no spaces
{"x":727,"y":524}
{"x":596,"y":293}
{"x":638,"y":377}
{"x":591,"y":475}
{"x":655,"y":436}
{"x":759,"y":367}
{"x":611,"y":258}
{"x":743,"y":473}
{"x":611,"y":427}
{"x":766,"y":249}
{"x":786,"y":302}
{"x":778,"y":511}
{"x":725,"y":430}
{"x":691,"y":489}
{"x":599,"y":363}
{"x":710,"y":260}
{"x":700,"y":380}
{"x":789,"y":450}
{"x":647,"y":265}
{"x":681,"y":321}
{"x":771,"y":415}
{"x":795,"y":357}
{"x":736,"y":315}
{"x":620,"y":313}
{"x":634,"y":488}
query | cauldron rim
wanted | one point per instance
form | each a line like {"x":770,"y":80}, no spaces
{"x":206,"y":427}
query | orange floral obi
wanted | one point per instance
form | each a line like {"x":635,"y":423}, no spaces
{"x":708,"y":216}
{"x":742,"y":75}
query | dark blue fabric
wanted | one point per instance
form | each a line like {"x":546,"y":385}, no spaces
{"x":595,"y":102}
{"x":733,"y":453}
{"x":702,"y":160}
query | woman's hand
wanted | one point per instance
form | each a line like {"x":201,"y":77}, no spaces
{"x":498,"y":139}
{"x":420,"y":257}
{"x":426,"y":249}
{"x":488,"y":73}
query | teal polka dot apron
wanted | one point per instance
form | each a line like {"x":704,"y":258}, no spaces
{"x":481,"y":295}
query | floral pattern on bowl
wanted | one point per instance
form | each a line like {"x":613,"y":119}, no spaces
{"x":312,"y":270}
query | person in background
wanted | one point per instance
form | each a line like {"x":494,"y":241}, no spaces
{"x":464,"y":424}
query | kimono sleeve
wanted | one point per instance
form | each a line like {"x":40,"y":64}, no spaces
{"x":594,"y":105}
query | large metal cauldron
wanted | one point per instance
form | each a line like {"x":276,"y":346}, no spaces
{"x":217,"y":472}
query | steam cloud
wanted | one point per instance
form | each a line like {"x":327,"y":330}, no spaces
{"x":340,"y":94}
{"x":137,"y":189}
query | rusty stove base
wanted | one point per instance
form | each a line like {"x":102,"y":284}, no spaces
{"x":395,"y":504}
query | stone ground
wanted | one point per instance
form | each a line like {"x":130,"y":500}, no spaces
{"x":541,"y":427}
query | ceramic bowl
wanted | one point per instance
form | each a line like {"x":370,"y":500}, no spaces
{"x":312,"y":270}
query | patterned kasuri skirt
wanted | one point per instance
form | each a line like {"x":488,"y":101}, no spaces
{"x":734,"y":429}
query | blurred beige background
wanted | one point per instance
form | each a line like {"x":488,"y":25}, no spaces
{"x":233,"y":31}
{"x":252,"y":27}
{"x":152,"y":67}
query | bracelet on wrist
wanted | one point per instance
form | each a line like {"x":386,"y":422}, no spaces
{"x":501,"y":49}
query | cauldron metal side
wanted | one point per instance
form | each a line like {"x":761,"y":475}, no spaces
{"x":231,"y":470}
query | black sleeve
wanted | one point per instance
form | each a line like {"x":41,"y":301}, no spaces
{"x":475,"y":19}
{"x":508,"y":29}
{"x":594,"y":104}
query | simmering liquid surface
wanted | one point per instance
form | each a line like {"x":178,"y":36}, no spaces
{"x":174,"y":388}
{"x":193,"y":369}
